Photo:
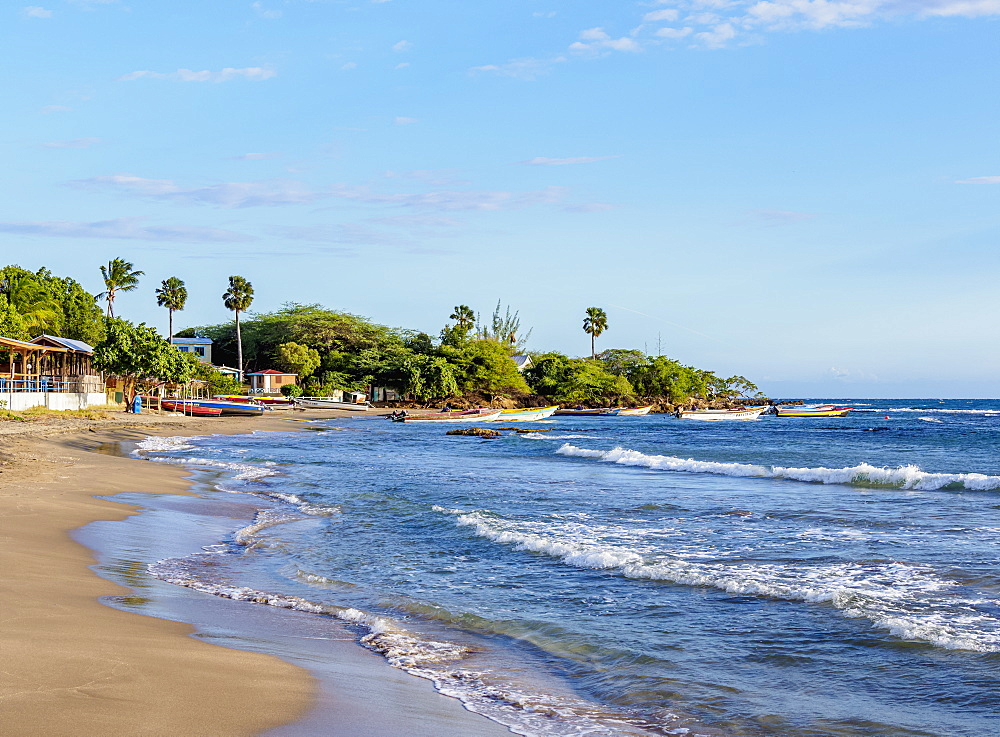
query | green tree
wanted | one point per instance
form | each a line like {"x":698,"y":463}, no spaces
{"x":296,"y":358}
{"x":11,"y":323}
{"x":576,"y":381}
{"x":594,"y":324}
{"x":238,"y":299}
{"x":485,"y":366}
{"x":119,"y":276}
{"x":30,"y":296}
{"x":173,"y":295}
{"x":136,"y":352}
{"x":464,"y":317}
{"x":505,"y":328}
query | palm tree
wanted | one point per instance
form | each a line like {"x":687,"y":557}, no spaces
{"x":173,"y":295}
{"x":595,"y":323}
{"x":464,"y":316}
{"x":118,"y":277}
{"x":238,"y":299}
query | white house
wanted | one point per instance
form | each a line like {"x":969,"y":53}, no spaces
{"x":200,"y":347}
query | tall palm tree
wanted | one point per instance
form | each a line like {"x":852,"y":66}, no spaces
{"x":118,"y":277}
{"x":173,"y":295}
{"x":595,"y":323}
{"x":464,"y":316}
{"x":238,"y":299}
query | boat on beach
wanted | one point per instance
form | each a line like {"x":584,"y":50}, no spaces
{"x":584,"y":412}
{"x":812,"y":410}
{"x":331,"y":403}
{"x":273,"y":402}
{"x":528,"y":414}
{"x":743,"y":413}
{"x":486,"y":414}
{"x":190,"y":408}
{"x":634,"y":411}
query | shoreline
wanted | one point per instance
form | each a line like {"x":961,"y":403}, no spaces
{"x":75,"y":665}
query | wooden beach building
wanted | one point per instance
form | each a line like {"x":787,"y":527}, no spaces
{"x":48,"y":371}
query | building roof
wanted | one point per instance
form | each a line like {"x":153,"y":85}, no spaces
{"x":73,"y":345}
{"x":191,"y":341}
{"x":19,"y":345}
{"x":270,"y":372}
{"x":522,"y":362}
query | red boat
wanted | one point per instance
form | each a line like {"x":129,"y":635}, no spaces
{"x":190,"y":408}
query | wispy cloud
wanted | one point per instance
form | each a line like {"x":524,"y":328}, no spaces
{"x":589,"y":207}
{"x":344,"y":233}
{"x":432,"y":177}
{"x":979,"y":180}
{"x":264,"y":12}
{"x":56,"y":109}
{"x":73,"y":143}
{"x":123,"y":228}
{"x":525,"y":68}
{"x":455,"y":200}
{"x":253,"y":74}
{"x":403,"y":120}
{"x":546,"y":161}
{"x":780,"y":217}
{"x":233,"y":195}
{"x":401,"y":46}
{"x":256,"y":156}
{"x":34,"y":11}
{"x":595,"y":40}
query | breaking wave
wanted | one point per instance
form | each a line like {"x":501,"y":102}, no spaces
{"x":911,"y":601}
{"x":902,"y":477}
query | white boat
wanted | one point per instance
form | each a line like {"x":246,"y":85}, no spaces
{"x":634,"y":411}
{"x":812,"y":410}
{"x":745,"y":413}
{"x":488,"y":415}
{"x":529,"y":414}
{"x":330,"y":403}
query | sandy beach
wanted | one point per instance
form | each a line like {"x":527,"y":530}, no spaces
{"x":74,"y":666}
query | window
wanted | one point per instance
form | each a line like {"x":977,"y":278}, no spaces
{"x":200,"y":351}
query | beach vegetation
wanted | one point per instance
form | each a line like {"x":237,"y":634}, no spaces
{"x":594,"y":324}
{"x":33,"y":303}
{"x":565,"y":380}
{"x":296,"y":358}
{"x":504,"y":328}
{"x":173,"y":295}
{"x":137,"y":353}
{"x":238,"y":298}
{"x":292,"y":390}
{"x":119,"y":276}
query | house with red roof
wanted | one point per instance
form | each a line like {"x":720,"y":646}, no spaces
{"x":270,"y":381}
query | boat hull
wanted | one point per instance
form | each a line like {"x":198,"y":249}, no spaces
{"x":635,"y":411}
{"x":600,"y":412}
{"x":320,"y":403}
{"x":489,"y":416}
{"x":824,"y":410}
{"x":189,"y":408}
{"x":532,"y":414}
{"x":722,"y":414}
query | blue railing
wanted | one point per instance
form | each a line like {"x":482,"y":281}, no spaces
{"x":43,"y":384}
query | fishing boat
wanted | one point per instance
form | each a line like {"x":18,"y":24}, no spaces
{"x":273,"y":402}
{"x":743,"y":413}
{"x":583,"y":412}
{"x":528,"y":414}
{"x":471,"y":415}
{"x":230,"y":409}
{"x":812,"y":410}
{"x":331,"y":403}
{"x":190,"y":408}
{"x":634,"y":411}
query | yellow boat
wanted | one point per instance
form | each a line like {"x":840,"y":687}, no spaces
{"x":527,"y":414}
{"x":812,"y":410}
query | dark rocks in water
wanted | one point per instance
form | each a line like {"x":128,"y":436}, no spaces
{"x":476,"y":432}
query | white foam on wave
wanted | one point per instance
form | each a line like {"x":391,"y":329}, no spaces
{"x":237,"y":471}
{"x":864,"y":474}
{"x":550,"y":436}
{"x":911,"y":601}
{"x":164,"y":445}
{"x":930,"y":419}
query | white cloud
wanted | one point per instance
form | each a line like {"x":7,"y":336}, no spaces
{"x":658,"y":15}
{"x":667,"y":32}
{"x":979,"y":180}
{"x":264,"y":12}
{"x":596,"y":39}
{"x":254,"y":74}
{"x":402,"y":65}
{"x":349,"y":65}
{"x":33,"y":11}
{"x":546,"y":161}
{"x":74,"y":143}
{"x":401,"y":46}
{"x":527,"y":68}
{"x":455,"y":200}
{"x":230,"y":195}
{"x":403,"y":120}
{"x":123,"y":228}
{"x":718,"y":36}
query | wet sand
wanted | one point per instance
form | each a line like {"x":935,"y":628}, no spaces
{"x":74,"y":666}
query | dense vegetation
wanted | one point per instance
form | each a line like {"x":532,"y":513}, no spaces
{"x":471,"y":358}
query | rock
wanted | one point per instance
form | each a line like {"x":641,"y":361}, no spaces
{"x":476,"y":432}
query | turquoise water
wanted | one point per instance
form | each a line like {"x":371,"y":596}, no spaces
{"x":643,"y":575}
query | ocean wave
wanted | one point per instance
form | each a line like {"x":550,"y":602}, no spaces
{"x":236,"y":471}
{"x":935,"y":410}
{"x":864,"y":474}
{"x":165,"y":445}
{"x":910,"y":601}
{"x":550,"y":436}
{"x":930,"y":419}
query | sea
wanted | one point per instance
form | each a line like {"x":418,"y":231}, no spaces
{"x":637,"y":575}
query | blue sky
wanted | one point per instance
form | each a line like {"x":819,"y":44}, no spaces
{"x":804,"y":192}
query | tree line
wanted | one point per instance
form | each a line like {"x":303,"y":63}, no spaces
{"x":471,"y":356}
